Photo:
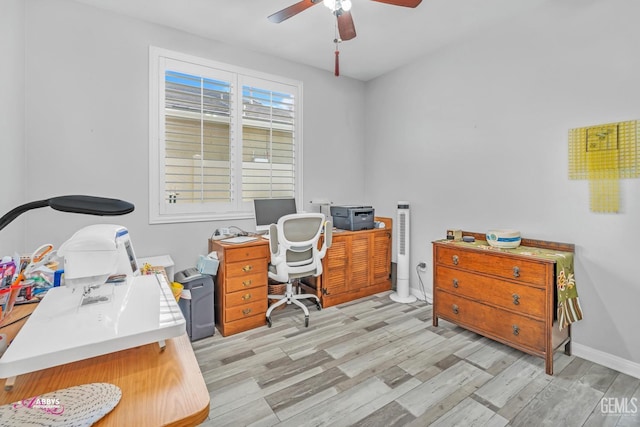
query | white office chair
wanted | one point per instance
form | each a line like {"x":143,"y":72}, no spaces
{"x":294,"y":254}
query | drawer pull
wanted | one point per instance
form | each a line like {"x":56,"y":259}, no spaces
{"x":516,"y":299}
{"x":246,"y":283}
{"x":516,"y":272}
{"x":516,"y":330}
{"x":247,"y":268}
{"x":246,"y":311}
{"x":455,"y":309}
{"x":455,"y":283}
{"x":246,"y":297}
{"x":455,"y":260}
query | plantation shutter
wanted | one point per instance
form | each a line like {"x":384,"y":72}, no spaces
{"x":198,"y":123}
{"x":268,"y":143}
{"x":219,"y":136}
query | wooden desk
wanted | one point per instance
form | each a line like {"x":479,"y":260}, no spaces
{"x":357,"y":264}
{"x":158,"y":388}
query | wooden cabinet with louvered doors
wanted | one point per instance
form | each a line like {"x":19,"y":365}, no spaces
{"x":506,"y":296}
{"x":241,"y":285}
{"x":358,"y":264}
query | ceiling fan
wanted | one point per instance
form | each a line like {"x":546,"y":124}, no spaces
{"x":341,"y":9}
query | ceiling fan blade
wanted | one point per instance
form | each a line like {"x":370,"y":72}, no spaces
{"x":405,"y":3}
{"x":345,"y":26}
{"x":292,"y":10}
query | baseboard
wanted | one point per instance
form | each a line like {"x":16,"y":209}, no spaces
{"x":605,"y":359}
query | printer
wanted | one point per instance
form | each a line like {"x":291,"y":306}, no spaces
{"x":352,"y":217}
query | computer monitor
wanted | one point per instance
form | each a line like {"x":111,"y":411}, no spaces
{"x":269,"y":211}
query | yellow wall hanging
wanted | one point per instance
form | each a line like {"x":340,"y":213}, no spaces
{"x":604,"y":154}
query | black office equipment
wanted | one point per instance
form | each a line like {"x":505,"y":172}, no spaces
{"x":352,"y":218}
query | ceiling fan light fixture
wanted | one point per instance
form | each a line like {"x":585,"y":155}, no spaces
{"x":345,"y":30}
{"x":330,"y":4}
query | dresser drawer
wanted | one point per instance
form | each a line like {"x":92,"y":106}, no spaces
{"x":246,"y":281}
{"x":244,"y":253}
{"x":493,"y":322}
{"x":247,"y":296}
{"x":232,"y":314}
{"x":520,"y":298}
{"x":493,"y":263}
{"x":246,"y":268}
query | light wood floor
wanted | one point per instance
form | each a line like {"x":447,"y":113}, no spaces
{"x":374,"y":362}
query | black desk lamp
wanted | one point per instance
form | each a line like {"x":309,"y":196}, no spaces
{"x":89,"y":205}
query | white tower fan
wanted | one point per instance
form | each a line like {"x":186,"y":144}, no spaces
{"x":402,"y":293}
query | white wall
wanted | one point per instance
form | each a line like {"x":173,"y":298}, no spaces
{"x":11,"y":119}
{"x":475,"y":137}
{"x":87,"y":122}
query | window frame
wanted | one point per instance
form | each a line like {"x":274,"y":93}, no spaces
{"x":159,"y":211}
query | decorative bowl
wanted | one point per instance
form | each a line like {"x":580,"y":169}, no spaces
{"x":507,"y":239}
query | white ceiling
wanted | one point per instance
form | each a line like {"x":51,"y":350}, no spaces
{"x":387,"y":36}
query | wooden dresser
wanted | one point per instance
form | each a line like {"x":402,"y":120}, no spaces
{"x":508,"y":297}
{"x":241,"y":285}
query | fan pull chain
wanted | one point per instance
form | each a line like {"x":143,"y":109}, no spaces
{"x":337,"y":58}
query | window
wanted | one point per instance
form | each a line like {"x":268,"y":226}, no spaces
{"x":219,"y":137}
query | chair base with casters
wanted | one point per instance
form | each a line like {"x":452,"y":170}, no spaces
{"x":290,"y":297}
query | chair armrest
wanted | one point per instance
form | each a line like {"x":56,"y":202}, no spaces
{"x":276,"y":257}
{"x":328,"y":238}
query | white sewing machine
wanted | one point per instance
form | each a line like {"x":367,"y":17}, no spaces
{"x":92,"y":255}
{"x":88,"y":317}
